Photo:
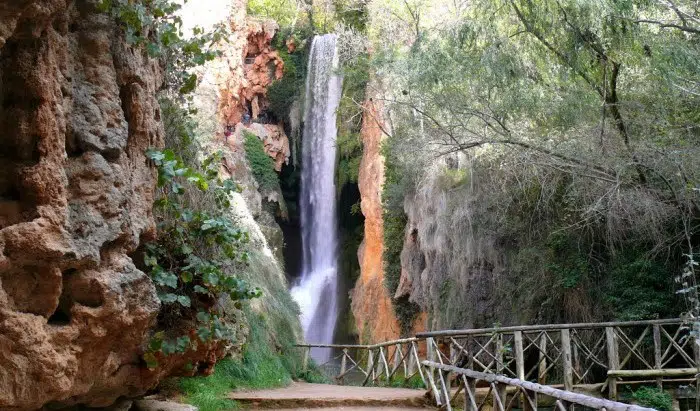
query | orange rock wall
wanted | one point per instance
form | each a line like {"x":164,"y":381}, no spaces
{"x":252,"y":66}
{"x":371,"y":304}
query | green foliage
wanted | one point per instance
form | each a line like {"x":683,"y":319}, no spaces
{"x":653,"y":398}
{"x":569,"y":265}
{"x":352,"y":14}
{"x":284,"y":12}
{"x":574,"y":124}
{"x":155,"y":25}
{"x":262,"y":165}
{"x":283,"y":92}
{"x":641,"y":288}
{"x":400,"y":381}
{"x":314,"y":375}
{"x":192,"y":261}
{"x":349,"y":120}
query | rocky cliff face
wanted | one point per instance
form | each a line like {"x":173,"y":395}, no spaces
{"x":228,"y":86}
{"x":78,"y":112}
{"x":371,"y":304}
{"x":453,"y":274}
{"x":252,"y":66}
{"x":248,"y":66}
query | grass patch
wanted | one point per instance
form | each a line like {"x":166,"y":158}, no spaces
{"x":260,"y":367}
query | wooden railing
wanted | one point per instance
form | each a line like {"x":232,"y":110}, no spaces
{"x":523,"y":393}
{"x":597,"y":356}
{"x":376,"y":363}
{"x":569,"y":355}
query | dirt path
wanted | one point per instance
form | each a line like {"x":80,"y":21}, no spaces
{"x":301,"y":396}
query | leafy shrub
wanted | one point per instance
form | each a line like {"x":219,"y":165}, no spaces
{"x":653,"y":398}
{"x":197,"y":251}
{"x":640,"y":287}
{"x":262,"y":165}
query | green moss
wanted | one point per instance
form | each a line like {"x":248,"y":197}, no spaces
{"x":653,"y":398}
{"x":395,"y":221}
{"x":262,"y":165}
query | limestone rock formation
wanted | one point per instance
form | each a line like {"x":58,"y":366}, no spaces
{"x":244,"y":86}
{"x":76,"y":192}
{"x":454,"y":276}
{"x":371,"y":304}
{"x":218,"y":105}
{"x":274,"y":140}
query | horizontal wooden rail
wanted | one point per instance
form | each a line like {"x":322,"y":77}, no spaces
{"x":561,"y":395}
{"x":361,"y":346}
{"x":341,"y":346}
{"x":544,"y":327}
{"x":668,"y":372}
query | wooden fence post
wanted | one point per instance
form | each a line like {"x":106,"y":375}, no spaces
{"x":566,"y":359}
{"x":305,"y":359}
{"x":657,"y":354}
{"x":542,"y":365}
{"x":412,"y":360}
{"x":397,"y":358}
{"x":499,"y":353}
{"x":343,"y":363}
{"x":499,"y":396}
{"x":696,"y":357}
{"x":382,"y":357}
{"x":519,"y":355}
{"x":370,"y":365}
{"x":470,"y":394}
{"x":613,"y":360}
{"x":432,"y":354}
{"x":520,"y":365}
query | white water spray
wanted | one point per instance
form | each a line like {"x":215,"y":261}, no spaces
{"x":318,"y":288}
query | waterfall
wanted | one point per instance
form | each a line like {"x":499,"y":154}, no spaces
{"x":317,"y":291}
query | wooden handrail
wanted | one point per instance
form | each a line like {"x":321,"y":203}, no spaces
{"x":568,"y":396}
{"x":478,"y":331}
{"x":362,"y":346}
{"x":544,"y":327}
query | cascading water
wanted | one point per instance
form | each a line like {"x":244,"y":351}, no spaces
{"x":316,"y":292}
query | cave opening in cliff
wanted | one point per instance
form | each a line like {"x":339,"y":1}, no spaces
{"x":290,"y":184}
{"x":351,"y":223}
